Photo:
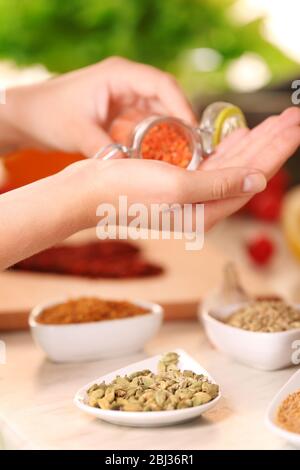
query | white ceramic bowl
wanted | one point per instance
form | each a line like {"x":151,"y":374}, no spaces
{"x":146,"y":419}
{"x":266,"y":351}
{"x":293,"y":385}
{"x":95,"y":340}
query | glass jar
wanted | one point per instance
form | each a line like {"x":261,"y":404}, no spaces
{"x":171,"y":139}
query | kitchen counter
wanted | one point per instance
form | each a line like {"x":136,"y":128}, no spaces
{"x":36,"y":409}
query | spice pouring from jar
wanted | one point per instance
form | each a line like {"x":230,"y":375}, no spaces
{"x":172,"y":140}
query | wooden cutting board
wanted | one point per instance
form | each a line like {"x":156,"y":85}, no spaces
{"x":188,"y":276}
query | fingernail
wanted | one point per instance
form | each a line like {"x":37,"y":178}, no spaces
{"x":254,"y":183}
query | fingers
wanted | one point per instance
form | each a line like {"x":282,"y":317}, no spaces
{"x":269,"y":154}
{"x":226,"y":148}
{"x":171,"y":96}
{"x":222,"y":184}
{"x":242,"y":149}
{"x":279,"y":150}
{"x":265,"y":148}
{"x":264,"y":135}
{"x":291,"y":116}
{"x":215,"y":211}
{"x":283,"y":140}
{"x":232,"y":140}
{"x":165,"y":88}
{"x":91,"y":139}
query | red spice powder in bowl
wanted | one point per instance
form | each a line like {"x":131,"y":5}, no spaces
{"x":168,"y":142}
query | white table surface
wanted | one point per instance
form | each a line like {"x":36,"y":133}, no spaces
{"x":36,"y":409}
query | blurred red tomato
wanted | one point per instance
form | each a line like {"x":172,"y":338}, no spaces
{"x":267,"y":204}
{"x":261,"y":250}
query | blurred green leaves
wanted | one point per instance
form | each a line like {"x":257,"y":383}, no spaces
{"x":67,"y":34}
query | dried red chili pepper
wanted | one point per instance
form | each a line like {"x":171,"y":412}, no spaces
{"x":100,"y":259}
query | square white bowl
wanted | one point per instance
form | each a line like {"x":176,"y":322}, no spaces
{"x":149,"y":418}
{"x":265,"y":351}
{"x":292,"y":385}
{"x":90,"y":341}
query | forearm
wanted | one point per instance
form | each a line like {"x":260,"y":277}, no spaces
{"x":41,"y":214}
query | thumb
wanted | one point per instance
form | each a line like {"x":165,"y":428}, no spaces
{"x":92,"y":138}
{"x":201,"y":186}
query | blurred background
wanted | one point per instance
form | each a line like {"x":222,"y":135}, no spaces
{"x":210,"y":45}
{"x":243,"y":51}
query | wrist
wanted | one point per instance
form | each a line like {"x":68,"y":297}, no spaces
{"x":79,"y":184}
{"x":41,"y":214}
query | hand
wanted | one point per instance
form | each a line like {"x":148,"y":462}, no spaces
{"x":154,"y":182}
{"x":266,"y":148}
{"x":74,"y":112}
{"x":46,"y":212}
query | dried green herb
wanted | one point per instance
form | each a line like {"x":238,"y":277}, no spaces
{"x":169,"y":389}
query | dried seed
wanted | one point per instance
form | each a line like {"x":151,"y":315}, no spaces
{"x":147,"y":381}
{"x":121,"y":383}
{"x":153,"y":406}
{"x":162,"y":367}
{"x":104,"y":404}
{"x":110,"y":394}
{"x":93,"y":388}
{"x":170,"y":357}
{"x":196,"y":387}
{"x":132,"y":406}
{"x":160,"y":397}
{"x":188,"y":373}
{"x":211,"y":389}
{"x":267,"y":316}
{"x":95,"y":395}
{"x":184,"y":404}
{"x":201,"y":398}
{"x":170,"y":406}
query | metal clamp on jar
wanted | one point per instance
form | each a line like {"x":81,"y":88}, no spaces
{"x":173,"y":141}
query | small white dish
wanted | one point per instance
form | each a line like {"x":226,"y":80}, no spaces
{"x":293,"y":385}
{"x":151,"y":418}
{"x":95,"y":340}
{"x":265,"y":351}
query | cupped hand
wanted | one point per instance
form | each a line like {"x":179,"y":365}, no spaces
{"x":265,"y":148}
{"x":150,"y":182}
{"x":222,"y":181}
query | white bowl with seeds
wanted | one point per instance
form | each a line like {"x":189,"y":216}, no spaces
{"x":159,"y":391}
{"x":260,"y":334}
